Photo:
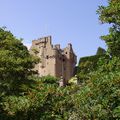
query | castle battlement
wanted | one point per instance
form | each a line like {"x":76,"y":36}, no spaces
{"x":54,"y":60}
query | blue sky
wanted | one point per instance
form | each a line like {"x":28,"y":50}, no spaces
{"x":67,"y":21}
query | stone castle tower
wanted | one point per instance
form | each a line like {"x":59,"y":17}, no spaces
{"x":54,"y":60}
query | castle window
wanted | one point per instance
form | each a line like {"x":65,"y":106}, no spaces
{"x":63,"y":60}
{"x":36,"y":71}
{"x":47,"y":57}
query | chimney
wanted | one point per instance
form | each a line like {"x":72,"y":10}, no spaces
{"x":48,"y":39}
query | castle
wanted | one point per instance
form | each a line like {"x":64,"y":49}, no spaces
{"x":54,"y":61}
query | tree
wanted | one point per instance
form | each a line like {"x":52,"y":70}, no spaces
{"x":98,"y":98}
{"x":16,"y":63}
{"x":111,"y":14}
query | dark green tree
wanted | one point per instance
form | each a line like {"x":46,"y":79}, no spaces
{"x":16,"y":63}
{"x":111,"y":14}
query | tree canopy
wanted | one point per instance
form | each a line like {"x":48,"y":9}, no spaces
{"x":111,"y":14}
{"x":16,"y":63}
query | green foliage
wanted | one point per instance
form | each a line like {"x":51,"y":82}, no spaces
{"x":111,"y":14}
{"x":87,"y":65}
{"x":100,"y":51}
{"x":15,"y":58}
{"x":49,"y":80}
{"x":99,"y":97}
{"x":44,"y":101}
{"x":15,"y":62}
